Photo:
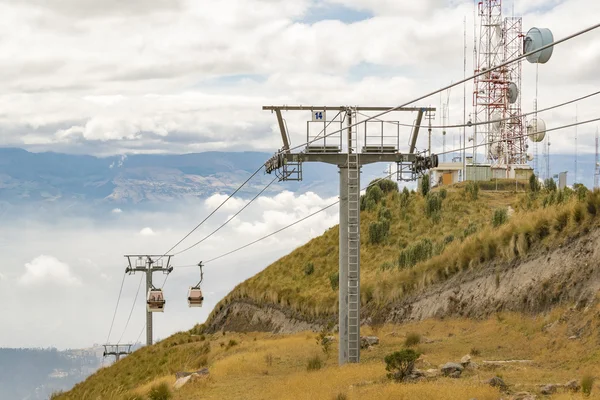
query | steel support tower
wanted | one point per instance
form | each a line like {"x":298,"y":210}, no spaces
{"x":380,"y":143}
{"x":148,"y":264}
{"x":117,"y":350}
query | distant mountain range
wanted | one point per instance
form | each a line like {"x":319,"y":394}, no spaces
{"x":48,"y":180}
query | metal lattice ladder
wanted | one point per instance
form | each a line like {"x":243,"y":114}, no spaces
{"x":353,"y":248}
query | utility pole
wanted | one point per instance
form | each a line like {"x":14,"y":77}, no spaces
{"x":328,"y":148}
{"x":597,"y":164}
{"x":117,"y":350}
{"x":148,"y":265}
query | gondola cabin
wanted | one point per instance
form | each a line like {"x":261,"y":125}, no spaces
{"x":195,"y":297}
{"x":155,"y":301}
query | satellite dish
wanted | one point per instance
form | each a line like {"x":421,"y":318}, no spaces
{"x":496,"y":149}
{"x":513,"y":92}
{"x":535,"y":39}
{"x":496,"y":115}
{"x":536,"y":130}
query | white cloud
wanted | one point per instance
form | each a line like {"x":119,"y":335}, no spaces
{"x":117,"y":211}
{"x":192,"y":75}
{"x":147,"y":232}
{"x":233,"y":204}
{"x":48,"y":269}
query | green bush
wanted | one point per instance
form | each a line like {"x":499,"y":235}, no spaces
{"x":411,"y":255}
{"x":534,"y":185}
{"x":500,"y":217}
{"x":425,"y":185}
{"x":387,"y":185}
{"x":412,"y":339}
{"x":374,"y":193}
{"x":433,"y":205}
{"x":400,"y":363}
{"x":472,"y":190}
{"x":341,"y":396}
{"x":587,"y":383}
{"x":314,"y":364}
{"x":405,"y":198}
{"x":324,"y":341}
{"x":309,"y":269}
{"x":470,"y":230}
{"x":550,"y":185}
{"x":581,"y":191}
{"x":443,"y":193}
{"x":384,"y":213}
{"x":334,"y":280}
{"x":160,"y":392}
{"x":378,"y":231}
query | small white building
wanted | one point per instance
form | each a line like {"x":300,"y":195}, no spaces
{"x":447,"y":173}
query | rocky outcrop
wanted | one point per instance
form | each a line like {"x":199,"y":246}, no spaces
{"x":567,"y":274}
{"x":245,"y":315}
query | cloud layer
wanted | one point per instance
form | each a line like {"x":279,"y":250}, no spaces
{"x":188,"y":76}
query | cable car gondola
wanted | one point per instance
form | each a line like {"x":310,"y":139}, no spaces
{"x":195,"y":297}
{"x":156,"y":300}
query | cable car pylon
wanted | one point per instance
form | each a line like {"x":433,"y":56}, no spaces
{"x":195,"y":297}
{"x":116,"y":350}
{"x":155,"y":299}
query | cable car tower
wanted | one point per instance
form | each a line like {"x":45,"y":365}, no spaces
{"x":116,"y":350}
{"x":380,"y":143}
{"x":155,"y":300}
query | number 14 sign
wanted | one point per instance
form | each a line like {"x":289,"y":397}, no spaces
{"x":318,"y":116}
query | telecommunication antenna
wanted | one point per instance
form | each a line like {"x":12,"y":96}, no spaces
{"x":155,"y":300}
{"x":381,"y":143}
{"x":117,"y":350}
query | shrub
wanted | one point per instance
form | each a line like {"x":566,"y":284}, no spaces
{"x":231,"y":343}
{"x":562,"y":219}
{"x":472,"y":190}
{"x":387,"y":185}
{"x":384,"y":214}
{"x":334,"y":280}
{"x":581,"y":191}
{"x":534,"y":185}
{"x":160,"y":392}
{"x":400,"y":363}
{"x":443,"y":193}
{"x":404,"y":198}
{"x":433,"y":205}
{"x":309,"y":269}
{"x":550,"y":185}
{"x":314,"y":364}
{"x":341,"y":396}
{"x":425,"y":186}
{"x":56,"y":394}
{"x":475,"y":352}
{"x":324,"y":340}
{"x":374,"y":193}
{"x":470,"y":230}
{"x":411,"y":255}
{"x":269,"y":359}
{"x":412,"y":339}
{"x":500,"y":217}
{"x":378,"y":231}
{"x":587,"y":383}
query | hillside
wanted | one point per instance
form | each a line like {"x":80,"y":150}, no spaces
{"x":432,"y":263}
{"x":522,"y":266}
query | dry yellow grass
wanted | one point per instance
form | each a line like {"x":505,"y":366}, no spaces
{"x":244,"y":371}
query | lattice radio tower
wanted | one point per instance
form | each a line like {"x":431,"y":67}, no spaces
{"x":497,"y":93}
{"x":337,"y":140}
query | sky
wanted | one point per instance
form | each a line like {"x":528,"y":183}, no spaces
{"x":188,"y":76}
{"x":179,"y":76}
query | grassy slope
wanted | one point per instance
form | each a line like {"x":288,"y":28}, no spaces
{"x":243,"y":370}
{"x":382,"y":281}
